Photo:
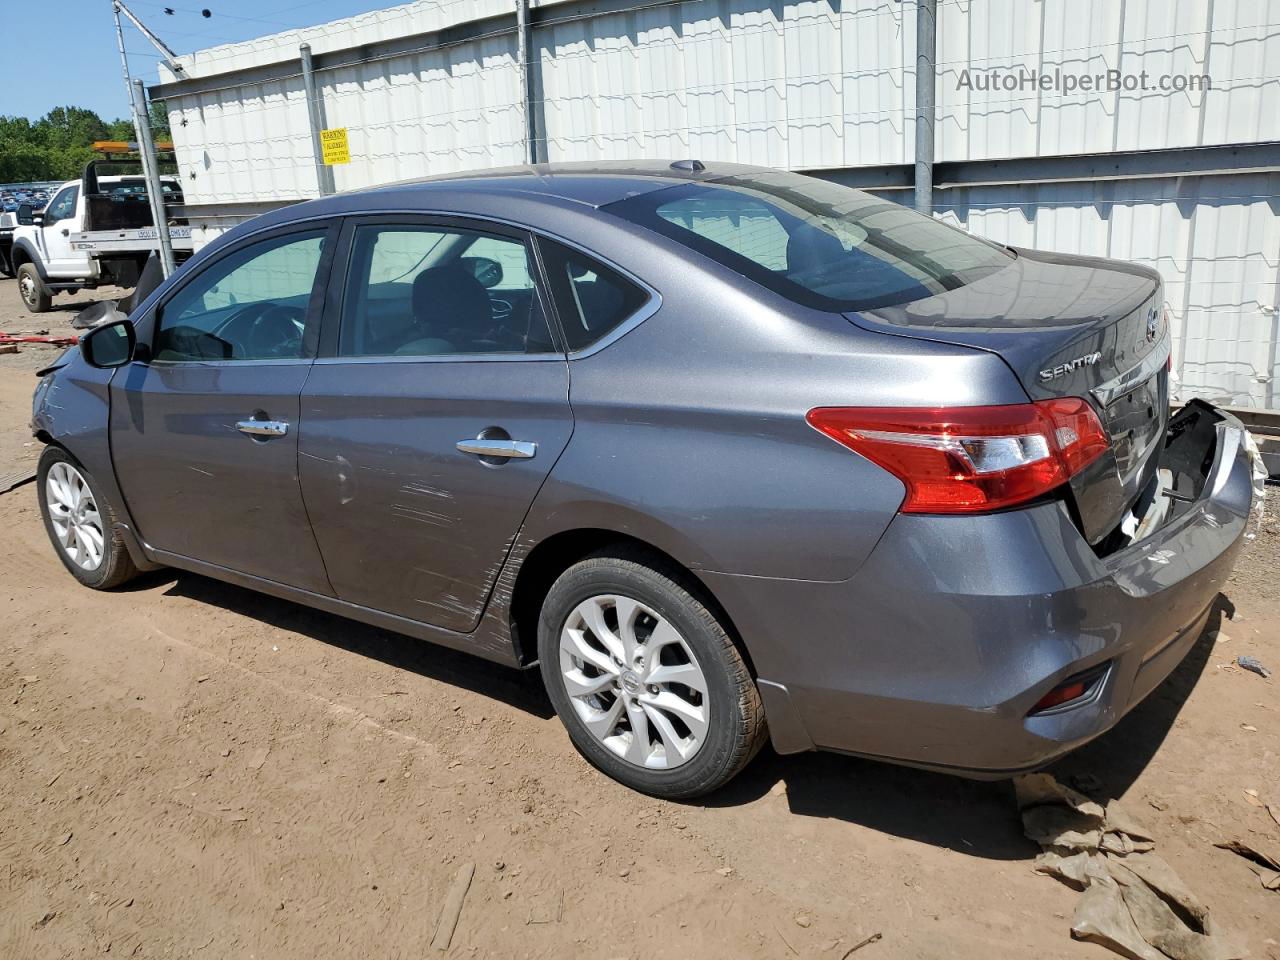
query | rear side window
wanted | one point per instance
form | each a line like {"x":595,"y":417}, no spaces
{"x":438,"y":291}
{"x":593,"y":300}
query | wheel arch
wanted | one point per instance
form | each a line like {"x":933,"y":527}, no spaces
{"x":22,"y":253}
{"x":555,"y":554}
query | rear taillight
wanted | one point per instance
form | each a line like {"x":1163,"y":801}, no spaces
{"x":971,"y":459}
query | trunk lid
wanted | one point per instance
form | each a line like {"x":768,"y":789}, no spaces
{"x":1067,"y":326}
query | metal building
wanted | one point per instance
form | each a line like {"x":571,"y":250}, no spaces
{"x":1174,"y":162}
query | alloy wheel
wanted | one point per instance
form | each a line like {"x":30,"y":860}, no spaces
{"x":634,"y":682}
{"x":73,"y":512}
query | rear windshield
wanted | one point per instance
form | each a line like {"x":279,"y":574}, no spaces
{"x":815,"y":242}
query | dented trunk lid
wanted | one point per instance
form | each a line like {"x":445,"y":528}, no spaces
{"x":1067,"y":326}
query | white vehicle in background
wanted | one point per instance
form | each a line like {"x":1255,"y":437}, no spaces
{"x":96,"y":231}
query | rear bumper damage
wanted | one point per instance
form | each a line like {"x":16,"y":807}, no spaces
{"x":937,"y":652}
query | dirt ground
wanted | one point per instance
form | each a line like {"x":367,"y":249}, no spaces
{"x":191,"y":769}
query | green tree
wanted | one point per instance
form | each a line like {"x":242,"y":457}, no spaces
{"x":57,"y":146}
{"x":64,"y":127}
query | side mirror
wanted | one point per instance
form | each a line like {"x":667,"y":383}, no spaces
{"x":488,"y":272}
{"x":110,"y":345}
{"x":26,"y":216}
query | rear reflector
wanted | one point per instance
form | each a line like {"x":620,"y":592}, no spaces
{"x":1060,"y":695}
{"x":971,"y":459}
{"x":1078,"y":687}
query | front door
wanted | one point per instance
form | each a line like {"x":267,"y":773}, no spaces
{"x":431,"y":425}
{"x":204,"y":430}
{"x":60,"y":221}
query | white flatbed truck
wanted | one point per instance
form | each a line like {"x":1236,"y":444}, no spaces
{"x":96,"y":231}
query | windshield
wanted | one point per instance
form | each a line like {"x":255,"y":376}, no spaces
{"x":815,"y":242}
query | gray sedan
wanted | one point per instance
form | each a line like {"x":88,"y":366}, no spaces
{"x":728,"y":454}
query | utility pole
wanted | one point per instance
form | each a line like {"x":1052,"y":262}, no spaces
{"x":522,"y":64}
{"x":124,"y":59}
{"x":151,"y":170}
{"x":141,"y":110}
{"x":168,"y":56}
{"x":315,"y":116}
{"x":926,"y":78}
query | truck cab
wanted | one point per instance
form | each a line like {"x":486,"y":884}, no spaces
{"x":94,"y":231}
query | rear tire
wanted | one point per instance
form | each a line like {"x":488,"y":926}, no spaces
{"x":82,"y":526}
{"x":32,"y":289}
{"x":664,"y":703}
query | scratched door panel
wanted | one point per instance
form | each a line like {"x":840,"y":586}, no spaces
{"x":199,"y":487}
{"x":406,"y":522}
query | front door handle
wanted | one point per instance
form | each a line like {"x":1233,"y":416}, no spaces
{"x":483,"y":447}
{"x":263,"y":428}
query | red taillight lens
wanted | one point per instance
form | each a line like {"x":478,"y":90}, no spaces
{"x":971,"y":459}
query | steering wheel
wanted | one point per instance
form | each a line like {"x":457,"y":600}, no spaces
{"x":272,"y":330}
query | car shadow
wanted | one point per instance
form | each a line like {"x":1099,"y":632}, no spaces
{"x":519,"y":688}
{"x":976,"y":818}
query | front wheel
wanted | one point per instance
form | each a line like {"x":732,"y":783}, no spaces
{"x":645,"y":678}
{"x":34,"y":295}
{"x":81,"y":525}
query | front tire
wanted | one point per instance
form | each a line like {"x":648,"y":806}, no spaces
{"x":81,"y":525}
{"x":645,"y":677}
{"x":34,"y":295}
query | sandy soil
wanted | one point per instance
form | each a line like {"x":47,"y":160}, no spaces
{"x":191,"y":769}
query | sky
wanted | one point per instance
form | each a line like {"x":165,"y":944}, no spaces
{"x":64,"y":53}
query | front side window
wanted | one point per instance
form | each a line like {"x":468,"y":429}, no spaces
{"x":63,"y":206}
{"x":438,"y":291}
{"x":815,"y":242}
{"x":249,"y":305}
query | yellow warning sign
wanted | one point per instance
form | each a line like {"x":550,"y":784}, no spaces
{"x":333,"y":146}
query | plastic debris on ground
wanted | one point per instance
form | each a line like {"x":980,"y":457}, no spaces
{"x":1133,"y":901}
{"x":1253,"y":665}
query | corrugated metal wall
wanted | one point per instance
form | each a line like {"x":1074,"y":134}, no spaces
{"x":1215,"y":240}
{"x":809,"y":85}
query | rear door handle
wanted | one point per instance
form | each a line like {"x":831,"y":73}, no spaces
{"x":482,"y":447}
{"x":263,"y":428}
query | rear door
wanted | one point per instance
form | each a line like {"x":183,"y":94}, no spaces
{"x":432,"y":417}
{"x":204,"y":430}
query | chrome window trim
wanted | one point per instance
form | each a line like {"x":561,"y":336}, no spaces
{"x":554,"y":357}
{"x":255,"y":361}
{"x":639,"y":316}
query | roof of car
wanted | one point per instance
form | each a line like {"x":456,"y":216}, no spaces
{"x":503,"y":192}
{"x":594,"y":183}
